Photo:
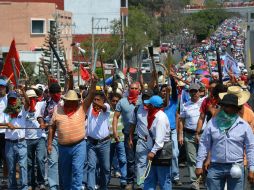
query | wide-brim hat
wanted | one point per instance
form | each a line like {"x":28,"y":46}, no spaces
{"x":71,"y":95}
{"x":180,"y":83}
{"x":243,"y":96}
{"x":242,"y":84}
{"x":31,"y":94}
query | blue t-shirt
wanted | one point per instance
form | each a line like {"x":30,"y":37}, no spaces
{"x":126,"y":110}
{"x":170,"y":111}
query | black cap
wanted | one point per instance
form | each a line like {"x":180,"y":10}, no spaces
{"x":230,"y":99}
{"x":54,"y":88}
{"x":147,"y":92}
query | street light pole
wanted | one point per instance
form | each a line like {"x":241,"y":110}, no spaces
{"x":93,"y":45}
{"x":123,"y":42}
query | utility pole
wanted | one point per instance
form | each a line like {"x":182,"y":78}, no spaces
{"x":95,"y":26}
{"x":93,"y":43}
{"x":123,"y":42}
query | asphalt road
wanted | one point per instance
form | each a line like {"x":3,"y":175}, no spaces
{"x":114,"y":185}
{"x":183,"y":177}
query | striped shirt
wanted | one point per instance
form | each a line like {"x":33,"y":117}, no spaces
{"x":190,"y":113}
{"x":227,"y":147}
{"x":70,"y":129}
{"x":119,"y":127}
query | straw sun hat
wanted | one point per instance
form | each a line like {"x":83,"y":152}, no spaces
{"x":31,"y":93}
{"x":71,"y":95}
{"x":243,"y":96}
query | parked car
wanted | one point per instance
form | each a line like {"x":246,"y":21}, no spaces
{"x":156,"y":57}
{"x":164,"y":48}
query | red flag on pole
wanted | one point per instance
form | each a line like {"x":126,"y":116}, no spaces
{"x":84,"y":73}
{"x":7,"y":69}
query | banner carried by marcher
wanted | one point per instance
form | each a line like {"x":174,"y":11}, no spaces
{"x":8,"y":69}
{"x":230,"y":65}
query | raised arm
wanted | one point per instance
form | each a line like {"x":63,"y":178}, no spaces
{"x":89,"y":99}
{"x":23,"y":93}
{"x":114,"y":124}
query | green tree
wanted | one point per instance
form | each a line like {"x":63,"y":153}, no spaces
{"x":142,"y":30}
{"x":204,"y":22}
{"x":51,"y":63}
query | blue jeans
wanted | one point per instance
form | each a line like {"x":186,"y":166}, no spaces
{"x":141,"y":161}
{"x":53,"y":175}
{"x":218,"y":174}
{"x":85,"y":169}
{"x":119,"y":150}
{"x":160,"y":175}
{"x":71,"y":164}
{"x":100,"y":152}
{"x":36,"y":154}
{"x":16,"y":153}
{"x":175,"y":151}
{"x":130,"y":155}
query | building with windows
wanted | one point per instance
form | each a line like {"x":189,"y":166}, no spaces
{"x":29,"y":22}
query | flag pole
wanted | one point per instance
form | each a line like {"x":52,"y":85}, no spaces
{"x":14,"y":71}
{"x":23,"y":69}
{"x":219,"y":65}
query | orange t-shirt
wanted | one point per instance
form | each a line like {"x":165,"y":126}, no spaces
{"x":69,"y":129}
{"x":247,"y":115}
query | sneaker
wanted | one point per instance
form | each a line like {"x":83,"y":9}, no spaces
{"x":4,"y":182}
{"x":123,"y":185}
{"x":195,"y":185}
{"x":30,"y":188}
{"x":97,"y":187}
{"x":129,"y":187}
{"x":42,"y":187}
{"x":177,"y":182}
{"x":118,"y":175}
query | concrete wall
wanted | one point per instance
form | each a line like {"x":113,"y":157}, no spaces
{"x":15,"y":22}
{"x":84,"y":10}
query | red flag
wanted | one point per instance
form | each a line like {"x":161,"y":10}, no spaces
{"x":84,"y":73}
{"x":7,"y":69}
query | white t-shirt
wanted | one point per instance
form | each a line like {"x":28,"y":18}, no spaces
{"x":3,"y":105}
{"x":191,"y":113}
{"x":98,"y":127}
{"x":18,"y":122}
{"x":31,"y":121}
{"x":160,"y":130}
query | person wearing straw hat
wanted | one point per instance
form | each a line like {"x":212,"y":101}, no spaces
{"x":68,"y":119}
{"x":226,"y":137}
{"x":36,"y":140}
{"x":159,"y":134}
{"x":15,"y":143}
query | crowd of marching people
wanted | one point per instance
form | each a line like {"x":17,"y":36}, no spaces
{"x":78,"y":138}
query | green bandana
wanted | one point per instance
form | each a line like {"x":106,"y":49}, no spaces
{"x":13,"y":109}
{"x":225,"y":121}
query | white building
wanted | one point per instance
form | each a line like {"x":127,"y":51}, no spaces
{"x":103,"y":12}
